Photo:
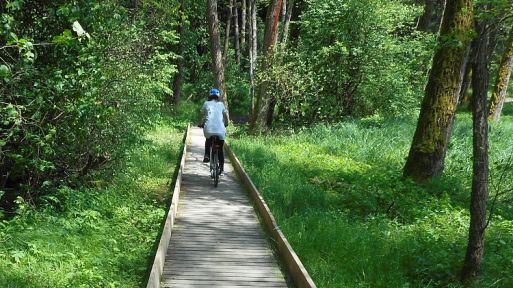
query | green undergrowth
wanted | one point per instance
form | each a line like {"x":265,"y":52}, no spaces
{"x":101,"y":233}
{"x":338,"y":195}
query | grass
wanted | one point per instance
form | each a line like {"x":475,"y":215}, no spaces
{"x":101,"y":234}
{"x":338,"y":195}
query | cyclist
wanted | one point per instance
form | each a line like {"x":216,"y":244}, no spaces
{"x":214,"y":120}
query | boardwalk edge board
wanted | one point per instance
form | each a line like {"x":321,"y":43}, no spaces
{"x":292,"y":262}
{"x":157,"y":268}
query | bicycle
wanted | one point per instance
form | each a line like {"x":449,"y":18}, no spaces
{"x":215,"y":167}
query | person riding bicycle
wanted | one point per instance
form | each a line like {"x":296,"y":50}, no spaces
{"x":214,"y":120}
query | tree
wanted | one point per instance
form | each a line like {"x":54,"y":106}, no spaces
{"x":475,"y":249}
{"x":429,"y":146}
{"x":215,"y":50}
{"x":286,"y":23}
{"x":253,"y":48}
{"x":177,"y":83}
{"x":264,"y":105}
{"x":243,"y":25}
{"x":227,"y":33}
{"x":502,"y":81}
{"x":236,"y":35}
{"x":429,"y":21}
{"x":467,"y":79}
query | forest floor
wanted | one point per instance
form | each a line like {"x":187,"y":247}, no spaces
{"x":339,"y":196}
{"x":101,"y":234}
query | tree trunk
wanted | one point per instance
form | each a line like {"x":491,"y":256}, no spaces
{"x":215,"y":50}
{"x":429,"y":146}
{"x":236,"y":34}
{"x":177,"y":83}
{"x":243,"y":26}
{"x":227,"y":34}
{"x":475,"y":249}
{"x":502,"y":81}
{"x":429,"y":21}
{"x":425,"y":19}
{"x":467,"y":79}
{"x":286,"y":24}
{"x":260,"y":113}
{"x":253,"y":51}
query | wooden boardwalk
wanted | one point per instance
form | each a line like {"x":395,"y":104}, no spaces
{"x":217,"y":240}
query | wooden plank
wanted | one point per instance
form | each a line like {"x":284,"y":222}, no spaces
{"x":209,"y":273}
{"x":217,"y":285}
{"x":204,"y":282}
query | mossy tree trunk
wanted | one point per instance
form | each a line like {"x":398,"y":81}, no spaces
{"x":476,"y":240}
{"x":429,"y":146}
{"x":215,"y":50}
{"x":502,"y":82}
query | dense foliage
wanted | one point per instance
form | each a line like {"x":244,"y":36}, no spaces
{"x":79,"y":80}
{"x":355,"y":58}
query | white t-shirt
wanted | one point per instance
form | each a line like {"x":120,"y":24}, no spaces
{"x":214,"y":124}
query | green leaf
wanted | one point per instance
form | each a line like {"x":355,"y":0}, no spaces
{"x":4,"y":71}
{"x":14,"y":5}
{"x":17,"y":255}
{"x":64,"y":39}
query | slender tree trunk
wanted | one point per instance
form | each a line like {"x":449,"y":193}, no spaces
{"x":286,"y":24}
{"x":429,"y":146}
{"x":430,"y":20}
{"x":177,"y":83}
{"x":243,"y":26}
{"x":261,"y":111}
{"x":227,"y":34}
{"x":502,"y":81}
{"x":283,"y":10}
{"x":253,"y":51}
{"x":425,"y":19}
{"x":467,"y":79}
{"x":215,"y":50}
{"x":476,"y":241}
{"x":236,"y":34}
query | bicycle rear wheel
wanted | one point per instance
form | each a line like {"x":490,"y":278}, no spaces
{"x":215,"y":164}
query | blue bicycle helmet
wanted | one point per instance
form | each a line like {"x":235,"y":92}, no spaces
{"x":215,"y":92}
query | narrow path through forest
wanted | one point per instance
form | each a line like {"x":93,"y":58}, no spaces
{"x":217,"y":240}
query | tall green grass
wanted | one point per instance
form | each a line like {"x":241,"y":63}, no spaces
{"x":101,"y":233}
{"x":338,"y":194}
